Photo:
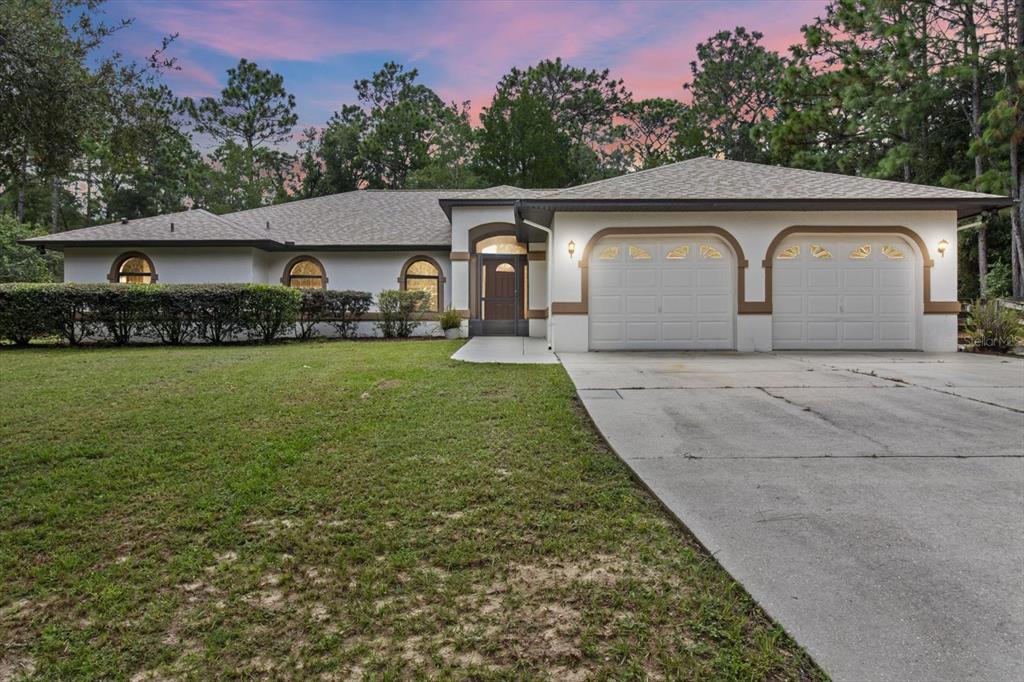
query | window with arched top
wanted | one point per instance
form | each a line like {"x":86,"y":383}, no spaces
{"x":504,"y":243}
{"x":422,"y":273}
{"x":304,"y":272}
{"x":132,"y":268}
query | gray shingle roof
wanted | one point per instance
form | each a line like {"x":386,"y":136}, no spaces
{"x":360,"y":218}
{"x":197,"y":225}
{"x":710,"y":179}
{"x":382,"y":219}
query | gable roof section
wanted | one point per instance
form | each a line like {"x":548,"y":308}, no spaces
{"x":719,"y":184}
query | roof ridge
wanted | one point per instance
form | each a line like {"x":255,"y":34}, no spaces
{"x":629,"y":174}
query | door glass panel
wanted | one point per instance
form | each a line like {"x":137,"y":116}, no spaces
{"x":505,"y":267}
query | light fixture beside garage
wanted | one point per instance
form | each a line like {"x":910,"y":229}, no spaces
{"x":943,"y":245}
{"x":572,"y":248}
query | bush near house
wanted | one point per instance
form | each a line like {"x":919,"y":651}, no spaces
{"x":400,"y":312}
{"x":172,"y":313}
{"x":992,"y":327}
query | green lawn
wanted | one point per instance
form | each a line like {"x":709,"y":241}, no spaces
{"x":341,"y":510}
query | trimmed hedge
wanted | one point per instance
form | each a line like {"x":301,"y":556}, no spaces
{"x":400,"y":311}
{"x":172,"y":313}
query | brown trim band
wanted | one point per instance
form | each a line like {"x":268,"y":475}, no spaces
{"x":568,"y":308}
{"x":459,"y":255}
{"x":930,"y":307}
{"x":537,"y":255}
{"x":537,"y":314}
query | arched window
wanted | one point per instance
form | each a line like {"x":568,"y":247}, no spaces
{"x":132,"y":268}
{"x":304,"y":272}
{"x":500,"y":244}
{"x":421,"y":273}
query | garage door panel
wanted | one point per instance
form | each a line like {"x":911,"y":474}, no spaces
{"x":642,"y":305}
{"x":642,"y":331}
{"x":846,"y":301}
{"x":676,"y":331}
{"x":822,"y":331}
{"x":676,"y":278}
{"x":788,"y":279}
{"x":642,"y":279}
{"x":823,"y":278}
{"x":677,"y":305}
{"x":823,"y":305}
{"x":708,"y":331}
{"x":713,"y":279}
{"x":788,"y":304}
{"x":861,"y":277}
{"x":676,"y":299}
{"x":713,"y":304}
{"x":606,"y":331}
{"x":606,"y":305}
{"x":859,"y":304}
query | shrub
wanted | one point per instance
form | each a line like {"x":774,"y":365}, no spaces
{"x":999,"y":280}
{"x":170,"y":316}
{"x":69,"y":304}
{"x":268,"y":310}
{"x":123,"y":310}
{"x":344,"y":308}
{"x":991,"y":327}
{"x":400,"y":312}
{"x":217,"y":311}
{"x":23,"y":314}
{"x":312,"y":311}
{"x":450,"y":319}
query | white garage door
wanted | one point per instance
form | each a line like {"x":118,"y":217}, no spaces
{"x":844,"y":293}
{"x":661,"y":293}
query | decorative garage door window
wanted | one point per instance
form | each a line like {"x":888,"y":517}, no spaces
{"x":865,"y":299}
{"x":789,"y":253}
{"x":658,"y":297}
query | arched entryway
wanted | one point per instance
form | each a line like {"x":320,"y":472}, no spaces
{"x":499,"y":281}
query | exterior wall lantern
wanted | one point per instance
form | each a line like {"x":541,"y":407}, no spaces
{"x":943,"y":245}
{"x":572,"y":248}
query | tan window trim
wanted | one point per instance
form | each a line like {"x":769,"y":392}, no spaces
{"x":286,"y":277}
{"x":115,"y":273}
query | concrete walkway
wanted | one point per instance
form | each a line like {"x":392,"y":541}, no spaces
{"x":873,"y":504}
{"x":513,"y":350}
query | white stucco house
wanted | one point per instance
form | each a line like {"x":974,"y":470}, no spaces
{"x":700,"y":254}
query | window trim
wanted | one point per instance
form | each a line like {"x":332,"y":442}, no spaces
{"x":286,"y":277}
{"x":114,"y":276}
{"x":440,"y":277}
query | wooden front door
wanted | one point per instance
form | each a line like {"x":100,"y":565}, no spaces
{"x":502,"y":293}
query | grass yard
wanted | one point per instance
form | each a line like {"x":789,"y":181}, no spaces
{"x":341,"y":510}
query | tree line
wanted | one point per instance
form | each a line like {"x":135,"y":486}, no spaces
{"x":930,"y":91}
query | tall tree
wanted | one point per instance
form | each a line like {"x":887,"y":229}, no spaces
{"x":650,"y":130}
{"x":585,"y":104}
{"x":521,"y":144}
{"x":254,"y":111}
{"x":734,"y":83}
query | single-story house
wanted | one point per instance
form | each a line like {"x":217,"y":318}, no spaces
{"x":700,"y":254}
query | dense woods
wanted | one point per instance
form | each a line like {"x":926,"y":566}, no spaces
{"x":929,"y":92}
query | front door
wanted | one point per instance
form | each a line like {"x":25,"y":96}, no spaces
{"x":502,"y":292}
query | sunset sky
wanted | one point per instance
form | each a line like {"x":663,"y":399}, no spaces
{"x":460,"y":48}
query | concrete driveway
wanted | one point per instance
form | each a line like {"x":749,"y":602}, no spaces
{"x":872,"y":503}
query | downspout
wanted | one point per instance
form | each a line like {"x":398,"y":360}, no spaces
{"x":549,"y":257}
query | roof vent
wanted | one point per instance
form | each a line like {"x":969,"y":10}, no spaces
{"x":124,"y":221}
{"x":172,"y":227}
{"x":268,"y":224}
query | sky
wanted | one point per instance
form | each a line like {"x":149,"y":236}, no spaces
{"x":461,"y":49}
